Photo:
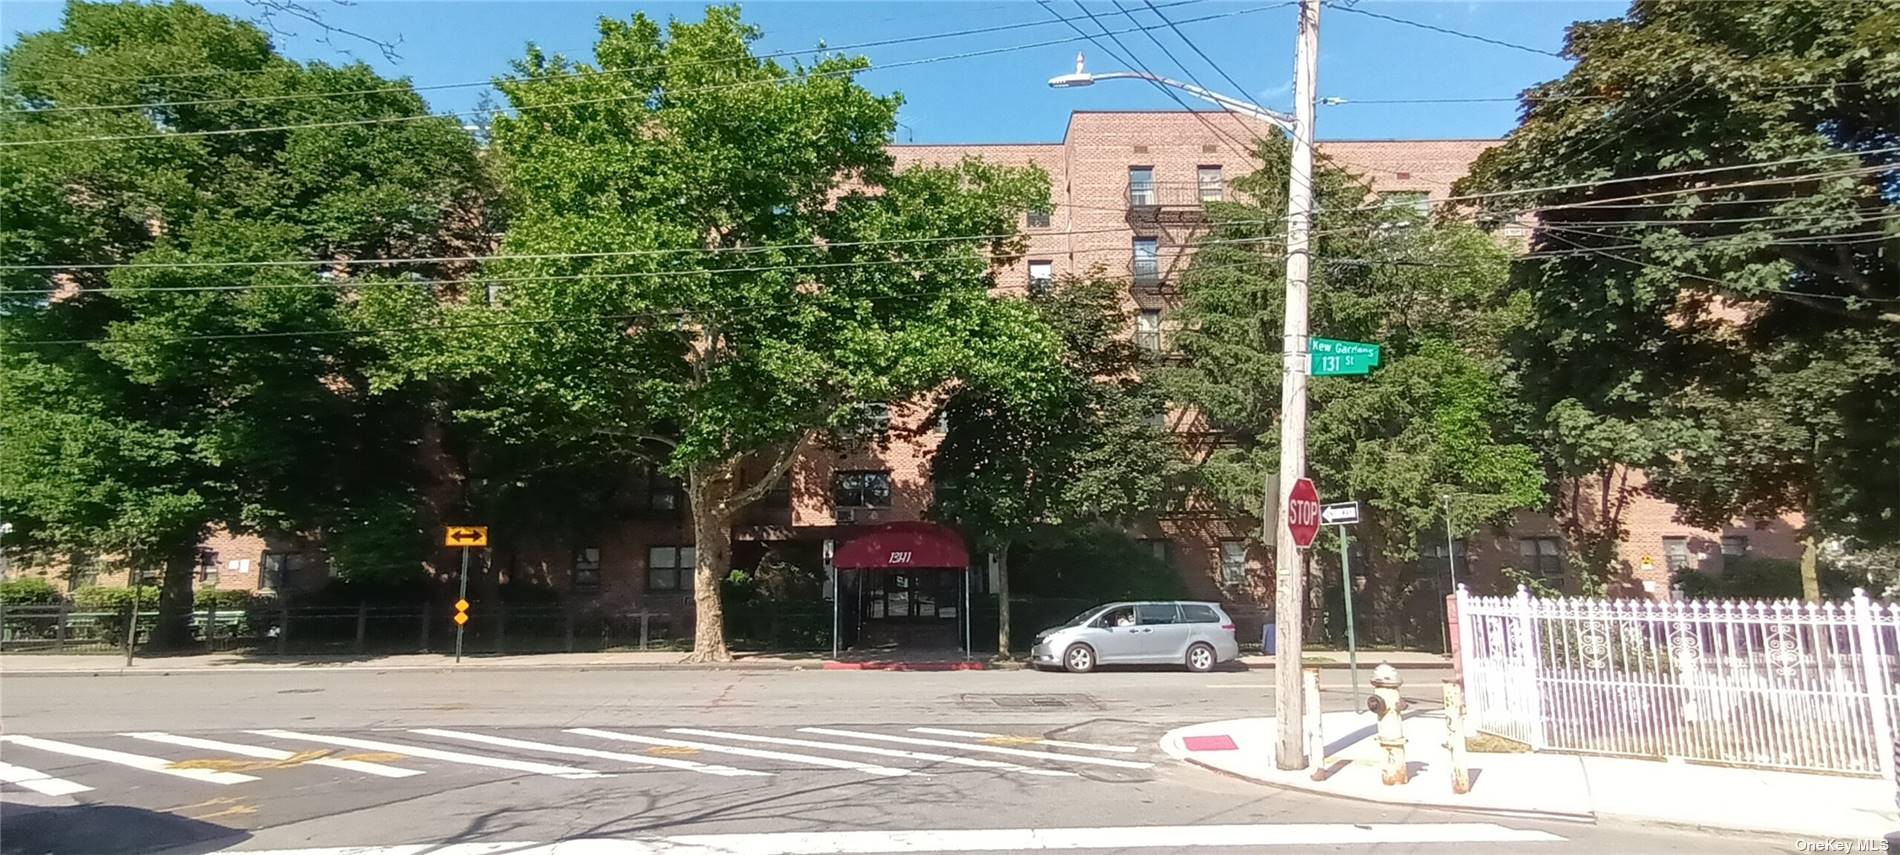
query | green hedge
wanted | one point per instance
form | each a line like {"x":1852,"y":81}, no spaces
{"x":101,"y":598}
{"x":28,"y":592}
{"x":209,"y":598}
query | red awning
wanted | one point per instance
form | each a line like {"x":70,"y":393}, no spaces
{"x":904,"y":545}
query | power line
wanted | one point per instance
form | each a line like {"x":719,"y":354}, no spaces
{"x":1446,"y":31}
{"x":1798,"y":296}
{"x":788,"y":78}
{"x":1194,"y":47}
{"x":622,"y":70}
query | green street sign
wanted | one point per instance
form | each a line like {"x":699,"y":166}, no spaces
{"x":1327,"y":357}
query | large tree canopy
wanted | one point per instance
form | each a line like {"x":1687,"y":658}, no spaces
{"x":711,"y":260}
{"x":167,"y":364}
{"x":1715,"y":282}
{"x":1435,"y":419}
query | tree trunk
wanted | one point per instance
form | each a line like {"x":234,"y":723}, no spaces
{"x":1810,"y":569}
{"x":1000,"y":560}
{"x":173,"y":630}
{"x":707,"y":490}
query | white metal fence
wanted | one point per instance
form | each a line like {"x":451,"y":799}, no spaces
{"x":1786,"y":685}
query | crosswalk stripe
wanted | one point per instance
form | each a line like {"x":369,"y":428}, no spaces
{"x":1032,"y":740}
{"x":263,"y":753}
{"x":807,"y":759}
{"x":667,"y":762}
{"x":988,"y":749}
{"x":869,"y":749}
{"x":136,"y":761}
{"x":435,"y":754}
{"x":38,"y":781}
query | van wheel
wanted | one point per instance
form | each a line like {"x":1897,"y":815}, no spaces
{"x":1079,"y":659}
{"x":1200,"y":658}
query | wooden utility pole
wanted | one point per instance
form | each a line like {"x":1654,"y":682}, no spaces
{"x":1290,"y":578}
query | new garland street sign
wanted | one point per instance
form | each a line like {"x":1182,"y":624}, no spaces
{"x":1330,"y":357}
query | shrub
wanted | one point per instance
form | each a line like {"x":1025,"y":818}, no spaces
{"x":104,"y":599}
{"x":208,"y":598}
{"x":28,"y":592}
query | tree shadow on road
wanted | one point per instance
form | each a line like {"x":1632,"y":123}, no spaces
{"x":92,"y":829}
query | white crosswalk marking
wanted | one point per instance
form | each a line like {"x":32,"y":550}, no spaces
{"x":434,"y":754}
{"x":1028,"y":740}
{"x":38,"y":781}
{"x":869,"y":749}
{"x":263,"y":753}
{"x":639,"y":759}
{"x":136,"y":761}
{"x":988,"y":749}
{"x":806,"y":759}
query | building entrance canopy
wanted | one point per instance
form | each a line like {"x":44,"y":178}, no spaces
{"x":904,"y":546}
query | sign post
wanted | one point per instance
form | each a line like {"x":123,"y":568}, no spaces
{"x":1343,"y":514}
{"x":468,"y":537}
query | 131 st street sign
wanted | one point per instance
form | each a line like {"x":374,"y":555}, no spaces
{"x":1330,"y":357}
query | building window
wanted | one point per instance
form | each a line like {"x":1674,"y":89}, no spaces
{"x":273,"y":571}
{"x":1233,"y":562}
{"x":1042,"y":276}
{"x":779,"y":495}
{"x":1396,"y":202}
{"x":1734,"y":545}
{"x":207,"y":571}
{"x":493,"y":293}
{"x":655,"y":491}
{"x":670,"y":568}
{"x":1676,"y":554}
{"x":1208,"y":178}
{"x":1158,"y":548}
{"x":861,"y":490}
{"x":1541,"y":558}
{"x":1141,"y":186}
{"x":1146,"y":261}
{"x":873,"y":420}
{"x":1039,"y":218}
{"x":82,"y":570}
{"x":1148,"y":330}
{"x":586,"y":578}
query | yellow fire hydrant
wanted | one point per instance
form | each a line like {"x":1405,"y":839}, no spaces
{"x":1386,"y":704}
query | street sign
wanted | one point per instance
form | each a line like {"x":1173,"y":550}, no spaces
{"x":465,"y":535}
{"x":461,"y":618}
{"x":1339,"y":513}
{"x":1302,"y":512}
{"x":461,"y":605}
{"x":1328,"y":357}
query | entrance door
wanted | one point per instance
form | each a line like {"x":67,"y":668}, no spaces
{"x":918,"y":609}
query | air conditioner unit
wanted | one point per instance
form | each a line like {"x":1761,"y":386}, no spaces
{"x":844,"y":515}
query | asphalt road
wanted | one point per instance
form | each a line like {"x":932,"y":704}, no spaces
{"x":688,"y":763}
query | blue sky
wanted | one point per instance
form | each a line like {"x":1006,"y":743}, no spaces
{"x":1002,"y":97}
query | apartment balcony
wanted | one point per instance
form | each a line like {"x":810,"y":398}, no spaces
{"x":1171,"y":201}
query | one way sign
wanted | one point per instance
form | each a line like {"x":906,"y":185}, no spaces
{"x":1342,"y":513}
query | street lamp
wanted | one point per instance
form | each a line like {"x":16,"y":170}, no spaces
{"x":1289,"y":597}
{"x":1082,"y":78}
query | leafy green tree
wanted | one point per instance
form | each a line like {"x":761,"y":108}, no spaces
{"x":1090,"y":448}
{"x":1735,"y":331}
{"x":711,"y":261}
{"x":164,"y":370}
{"x":1435,"y":420}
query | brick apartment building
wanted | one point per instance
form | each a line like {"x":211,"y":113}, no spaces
{"x":1127,"y":189}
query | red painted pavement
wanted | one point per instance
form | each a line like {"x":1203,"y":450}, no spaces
{"x":1209,"y":743}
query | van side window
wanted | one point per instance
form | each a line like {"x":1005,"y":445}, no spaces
{"x":1156,"y":613}
{"x":1191,"y":613}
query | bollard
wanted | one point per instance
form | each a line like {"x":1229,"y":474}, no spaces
{"x":1387,"y":705}
{"x":1455,"y":735}
{"x":362,"y":626}
{"x":1315,"y":737}
{"x":59,"y":631}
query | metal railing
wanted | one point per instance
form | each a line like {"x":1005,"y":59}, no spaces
{"x":1174,"y":194}
{"x":1785,"y":685}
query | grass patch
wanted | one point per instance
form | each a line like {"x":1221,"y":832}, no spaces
{"x":1488,"y":743}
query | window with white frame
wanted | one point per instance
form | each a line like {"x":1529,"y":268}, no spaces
{"x":1148,"y":330}
{"x":1042,"y":276}
{"x":1233,"y":562}
{"x":1038,"y":218}
{"x":1734,"y":545}
{"x":1145,"y":259}
{"x":1141,"y":186}
{"x":274,"y":569}
{"x":670,"y":568}
{"x":1209,"y":181}
{"x":654,"y":491}
{"x":207,"y":570}
{"x":1676,"y":555}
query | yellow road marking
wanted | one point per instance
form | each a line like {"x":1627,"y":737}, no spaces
{"x":234,"y":810}
{"x":1012,"y":740}
{"x":672,"y":751}
{"x":247,"y":764}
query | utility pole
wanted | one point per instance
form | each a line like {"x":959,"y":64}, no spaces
{"x":1289,"y":580}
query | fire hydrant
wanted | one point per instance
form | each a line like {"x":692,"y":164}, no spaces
{"x":1386,"y":704}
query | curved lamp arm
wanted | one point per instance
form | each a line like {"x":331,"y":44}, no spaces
{"x":1252,"y":111}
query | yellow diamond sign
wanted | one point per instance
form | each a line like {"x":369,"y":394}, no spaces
{"x":461,"y":618}
{"x":461,"y":605}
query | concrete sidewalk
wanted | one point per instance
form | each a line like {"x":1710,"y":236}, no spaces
{"x":1551,"y":785}
{"x":29,"y":664}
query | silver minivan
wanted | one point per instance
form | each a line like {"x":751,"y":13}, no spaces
{"x":1198,"y":635}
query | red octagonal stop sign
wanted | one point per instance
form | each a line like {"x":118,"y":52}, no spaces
{"x":1302,"y":512}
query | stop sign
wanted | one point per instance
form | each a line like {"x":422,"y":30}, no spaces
{"x":1302,"y":512}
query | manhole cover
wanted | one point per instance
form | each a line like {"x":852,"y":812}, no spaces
{"x":1020,"y":702}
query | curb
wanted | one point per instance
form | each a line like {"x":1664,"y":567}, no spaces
{"x":1557,"y":816}
{"x":971,"y":665}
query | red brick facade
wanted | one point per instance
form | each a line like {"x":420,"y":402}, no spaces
{"x":1091,"y":224}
